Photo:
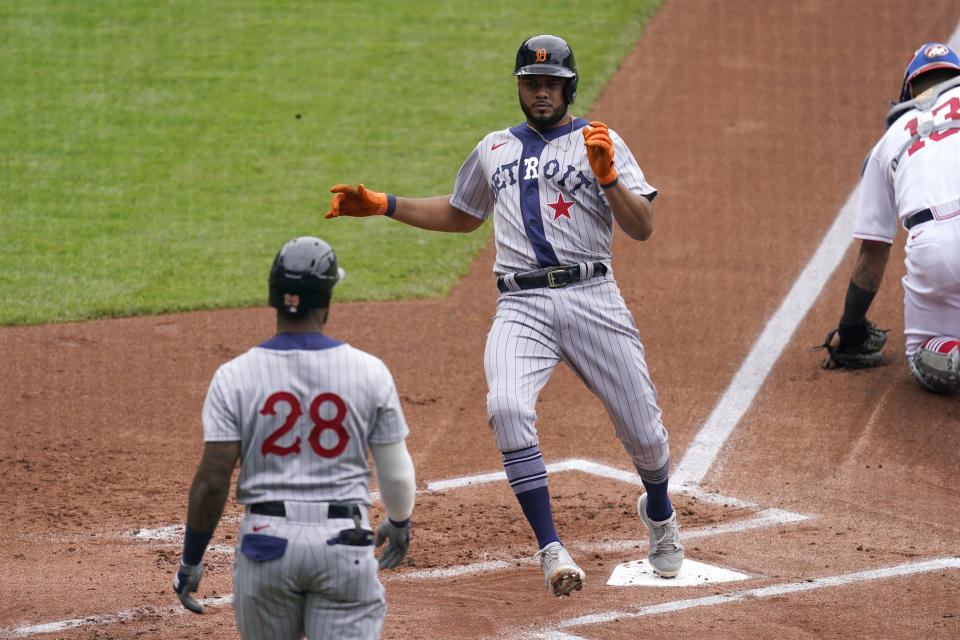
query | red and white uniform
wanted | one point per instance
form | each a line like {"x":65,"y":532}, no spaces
{"x":901,"y":179}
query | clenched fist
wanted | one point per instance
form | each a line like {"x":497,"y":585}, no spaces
{"x":600,"y":153}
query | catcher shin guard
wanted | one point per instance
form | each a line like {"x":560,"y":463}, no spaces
{"x":936,"y":365}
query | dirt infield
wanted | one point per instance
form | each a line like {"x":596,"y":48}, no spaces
{"x":752,"y":117}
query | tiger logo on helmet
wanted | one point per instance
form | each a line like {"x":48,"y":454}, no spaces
{"x":549,"y":55}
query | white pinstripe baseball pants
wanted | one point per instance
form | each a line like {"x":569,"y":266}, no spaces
{"x":588,"y":326}
{"x":314,"y":588}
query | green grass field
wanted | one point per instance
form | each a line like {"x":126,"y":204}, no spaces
{"x":156,"y":155}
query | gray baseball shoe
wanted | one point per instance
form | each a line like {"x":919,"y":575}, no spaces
{"x":665,"y":552}
{"x":561,"y":574}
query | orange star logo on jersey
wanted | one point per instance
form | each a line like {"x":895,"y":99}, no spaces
{"x":560,"y":207}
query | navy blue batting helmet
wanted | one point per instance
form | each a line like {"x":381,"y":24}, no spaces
{"x":548,"y":55}
{"x":933,"y":55}
{"x":303,"y":275}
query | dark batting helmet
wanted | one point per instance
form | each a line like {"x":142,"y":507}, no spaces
{"x":548,"y":55}
{"x":930,"y":56}
{"x":303,"y":275}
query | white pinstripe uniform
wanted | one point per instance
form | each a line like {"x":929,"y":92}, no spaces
{"x":549,"y":210}
{"x":304,"y":407}
{"x":902,"y":177}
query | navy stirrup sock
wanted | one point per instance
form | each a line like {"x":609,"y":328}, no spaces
{"x":659,"y":507}
{"x":536,"y":507}
{"x":528,"y":477}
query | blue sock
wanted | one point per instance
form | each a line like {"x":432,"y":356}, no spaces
{"x":659,"y":507}
{"x":528,"y":477}
{"x":536,"y":507}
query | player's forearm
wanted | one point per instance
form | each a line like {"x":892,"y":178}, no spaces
{"x":211,"y":485}
{"x":633,"y":212}
{"x":203,"y":514}
{"x":434,"y":214}
{"x":206,"y":504}
{"x":871,"y":263}
{"x":395,"y":478}
{"x":864,"y":283}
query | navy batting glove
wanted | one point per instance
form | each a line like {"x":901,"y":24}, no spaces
{"x":398,"y":533}
{"x":187,"y":582}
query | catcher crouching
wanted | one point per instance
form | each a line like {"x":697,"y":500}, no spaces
{"x":911,"y":180}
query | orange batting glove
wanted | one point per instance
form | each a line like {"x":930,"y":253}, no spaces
{"x":600,"y":153}
{"x":359,"y":201}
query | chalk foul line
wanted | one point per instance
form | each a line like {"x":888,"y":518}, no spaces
{"x":705,"y":447}
{"x":557,"y":632}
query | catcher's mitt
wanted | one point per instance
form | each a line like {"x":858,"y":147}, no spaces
{"x":866,"y":354}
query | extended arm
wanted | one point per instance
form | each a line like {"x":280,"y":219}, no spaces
{"x":434,"y":214}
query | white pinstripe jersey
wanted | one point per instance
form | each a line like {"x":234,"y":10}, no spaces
{"x":303,"y":406}
{"x":899,"y":180}
{"x":548,"y":206}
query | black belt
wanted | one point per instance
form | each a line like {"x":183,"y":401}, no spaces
{"x":919,"y":218}
{"x":552,"y":277}
{"x":277,"y":509}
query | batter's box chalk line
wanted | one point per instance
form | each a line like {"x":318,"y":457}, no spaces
{"x":28,"y":630}
{"x":562,"y":629}
{"x":558,"y":631}
{"x":173,"y":534}
{"x":763,"y":518}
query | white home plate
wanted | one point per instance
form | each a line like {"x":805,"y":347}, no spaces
{"x":639,"y":573}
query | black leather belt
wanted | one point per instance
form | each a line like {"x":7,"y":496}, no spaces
{"x":919,"y":218}
{"x":552,"y":277}
{"x":277,"y":509}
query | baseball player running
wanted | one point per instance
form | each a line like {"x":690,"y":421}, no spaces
{"x":300,"y":411}
{"x":555,"y":185}
{"x":912,"y":178}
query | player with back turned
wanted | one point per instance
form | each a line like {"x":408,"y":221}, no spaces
{"x":301,"y":411}
{"x":911,"y":178}
{"x":555,"y":186}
